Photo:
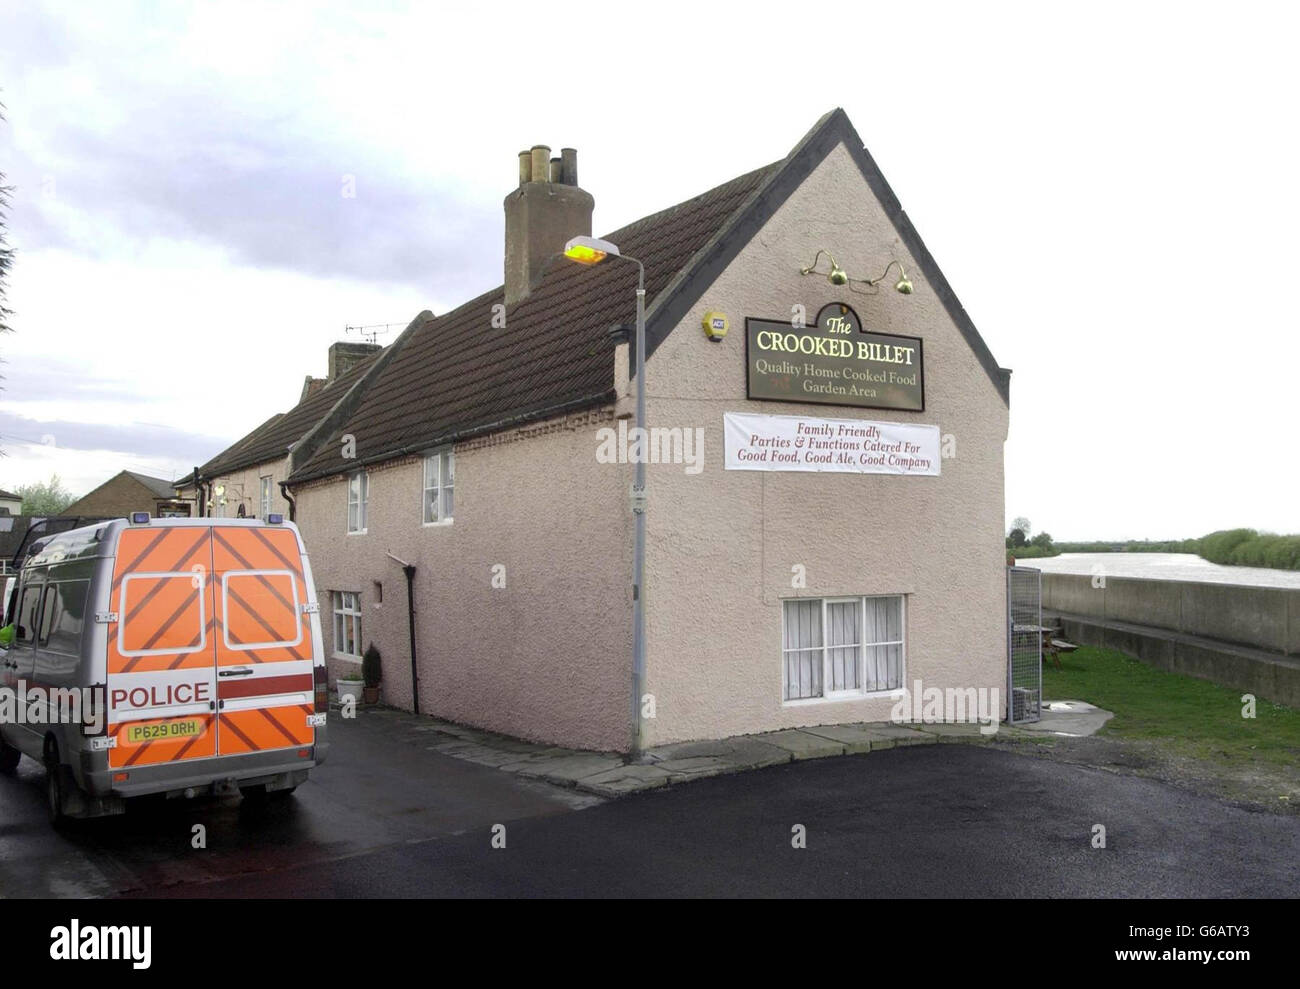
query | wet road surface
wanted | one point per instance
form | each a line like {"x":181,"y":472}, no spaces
{"x":387,"y":817}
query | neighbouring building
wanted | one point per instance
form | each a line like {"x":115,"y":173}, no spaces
{"x":128,"y":492}
{"x":825,"y":491}
{"x":12,"y":530}
{"x":10,"y":503}
{"x":244,"y":480}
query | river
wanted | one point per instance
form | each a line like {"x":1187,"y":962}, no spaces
{"x":1164,"y":566}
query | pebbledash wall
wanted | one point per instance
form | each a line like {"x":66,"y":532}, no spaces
{"x":244,"y":487}
{"x":548,"y":656}
{"x":722,"y":544}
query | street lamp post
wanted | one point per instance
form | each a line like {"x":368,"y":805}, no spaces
{"x":591,"y":250}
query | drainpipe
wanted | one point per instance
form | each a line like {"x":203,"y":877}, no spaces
{"x":409,"y":570}
{"x":293,"y":505}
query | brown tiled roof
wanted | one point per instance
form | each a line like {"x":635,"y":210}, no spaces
{"x":272,"y":439}
{"x":457,"y":376}
{"x":161,"y":487}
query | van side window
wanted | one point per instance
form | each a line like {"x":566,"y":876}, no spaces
{"x":47,"y":613}
{"x":64,"y":616}
{"x":28,"y":606}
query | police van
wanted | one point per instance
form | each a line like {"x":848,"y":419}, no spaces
{"x":164,"y":656}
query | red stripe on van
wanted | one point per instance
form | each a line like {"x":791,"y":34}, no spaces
{"x":262,"y":686}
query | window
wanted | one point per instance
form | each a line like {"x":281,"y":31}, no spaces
{"x":162,"y":613}
{"x":837,"y":648}
{"x":439,"y":483}
{"x":260,"y":609}
{"x":63,"y":617}
{"x":347,"y":624}
{"x":358,"y":494}
{"x":28,"y":606}
{"x":266,"y":498}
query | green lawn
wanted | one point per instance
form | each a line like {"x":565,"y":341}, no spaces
{"x":1197,"y":717}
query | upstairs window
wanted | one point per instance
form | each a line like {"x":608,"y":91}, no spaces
{"x":439,"y":486}
{"x":358,"y":495}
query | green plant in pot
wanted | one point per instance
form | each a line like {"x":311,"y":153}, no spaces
{"x":349,"y":684}
{"x":372,"y":672}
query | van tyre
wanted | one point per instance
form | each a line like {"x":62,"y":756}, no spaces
{"x":9,"y":757}
{"x":59,"y":785}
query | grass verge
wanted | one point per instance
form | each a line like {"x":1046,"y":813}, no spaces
{"x":1193,"y":717}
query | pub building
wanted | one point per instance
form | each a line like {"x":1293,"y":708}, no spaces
{"x":824,"y":495}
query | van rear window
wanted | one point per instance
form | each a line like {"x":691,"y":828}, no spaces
{"x":161,"y":613}
{"x":260,"y":609}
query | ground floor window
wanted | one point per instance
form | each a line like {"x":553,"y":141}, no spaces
{"x":347,"y":624}
{"x":837,"y":648}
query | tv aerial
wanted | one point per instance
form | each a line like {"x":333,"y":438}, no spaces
{"x":370,"y":332}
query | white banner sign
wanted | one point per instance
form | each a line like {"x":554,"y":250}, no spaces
{"x":858,"y":446}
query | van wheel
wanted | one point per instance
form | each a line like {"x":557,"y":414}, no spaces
{"x":9,"y":757}
{"x":61,"y":787}
{"x":57,"y":781}
{"x":259,"y":794}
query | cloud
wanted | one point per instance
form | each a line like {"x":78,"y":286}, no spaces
{"x":195,"y":160}
{"x":132,"y":439}
{"x":270,"y":200}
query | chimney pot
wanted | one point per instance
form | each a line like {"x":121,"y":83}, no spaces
{"x":557,"y":171}
{"x":525,"y":167}
{"x":541,"y":163}
{"x":569,"y":156}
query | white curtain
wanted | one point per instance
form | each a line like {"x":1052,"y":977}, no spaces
{"x":884,"y":624}
{"x":803,"y":649}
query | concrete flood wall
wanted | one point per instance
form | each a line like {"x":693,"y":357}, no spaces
{"x":1247,"y":638}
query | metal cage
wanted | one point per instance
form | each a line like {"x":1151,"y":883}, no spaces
{"x":1024,"y":644}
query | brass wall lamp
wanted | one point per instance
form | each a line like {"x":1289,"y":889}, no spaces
{"x":838,"y":276}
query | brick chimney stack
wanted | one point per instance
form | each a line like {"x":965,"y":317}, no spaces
{"x":542,"y":214}
{"x":345,"y":355}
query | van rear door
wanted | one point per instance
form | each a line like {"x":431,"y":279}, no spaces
{"x":264,"y":648}
{"x":162,"y":684}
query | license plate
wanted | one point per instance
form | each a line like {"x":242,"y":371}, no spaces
{"x":163,"y":731}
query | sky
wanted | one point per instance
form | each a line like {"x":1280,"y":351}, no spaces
{"x":206,"y":195}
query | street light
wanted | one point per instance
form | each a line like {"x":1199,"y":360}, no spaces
{"x":592,"y":250}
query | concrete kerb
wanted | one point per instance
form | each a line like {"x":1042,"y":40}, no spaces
{"x":609,"y":774}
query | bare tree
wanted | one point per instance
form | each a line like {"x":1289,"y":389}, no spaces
{"x":6,"y":252}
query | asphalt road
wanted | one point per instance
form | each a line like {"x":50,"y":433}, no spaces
{"x":376,"y":790}
{"x":389,"y":818}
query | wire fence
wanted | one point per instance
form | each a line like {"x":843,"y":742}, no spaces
{"x":1024,"y":644}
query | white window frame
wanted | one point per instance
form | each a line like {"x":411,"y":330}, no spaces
{"x":265,"y":482}
{"x":196,"y":579}
{"x":828,"y":695}
{"x":342,"y":613}
{"x":234,"y":646}
{"x":361,"y":502}
{"x":440,"y":458}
